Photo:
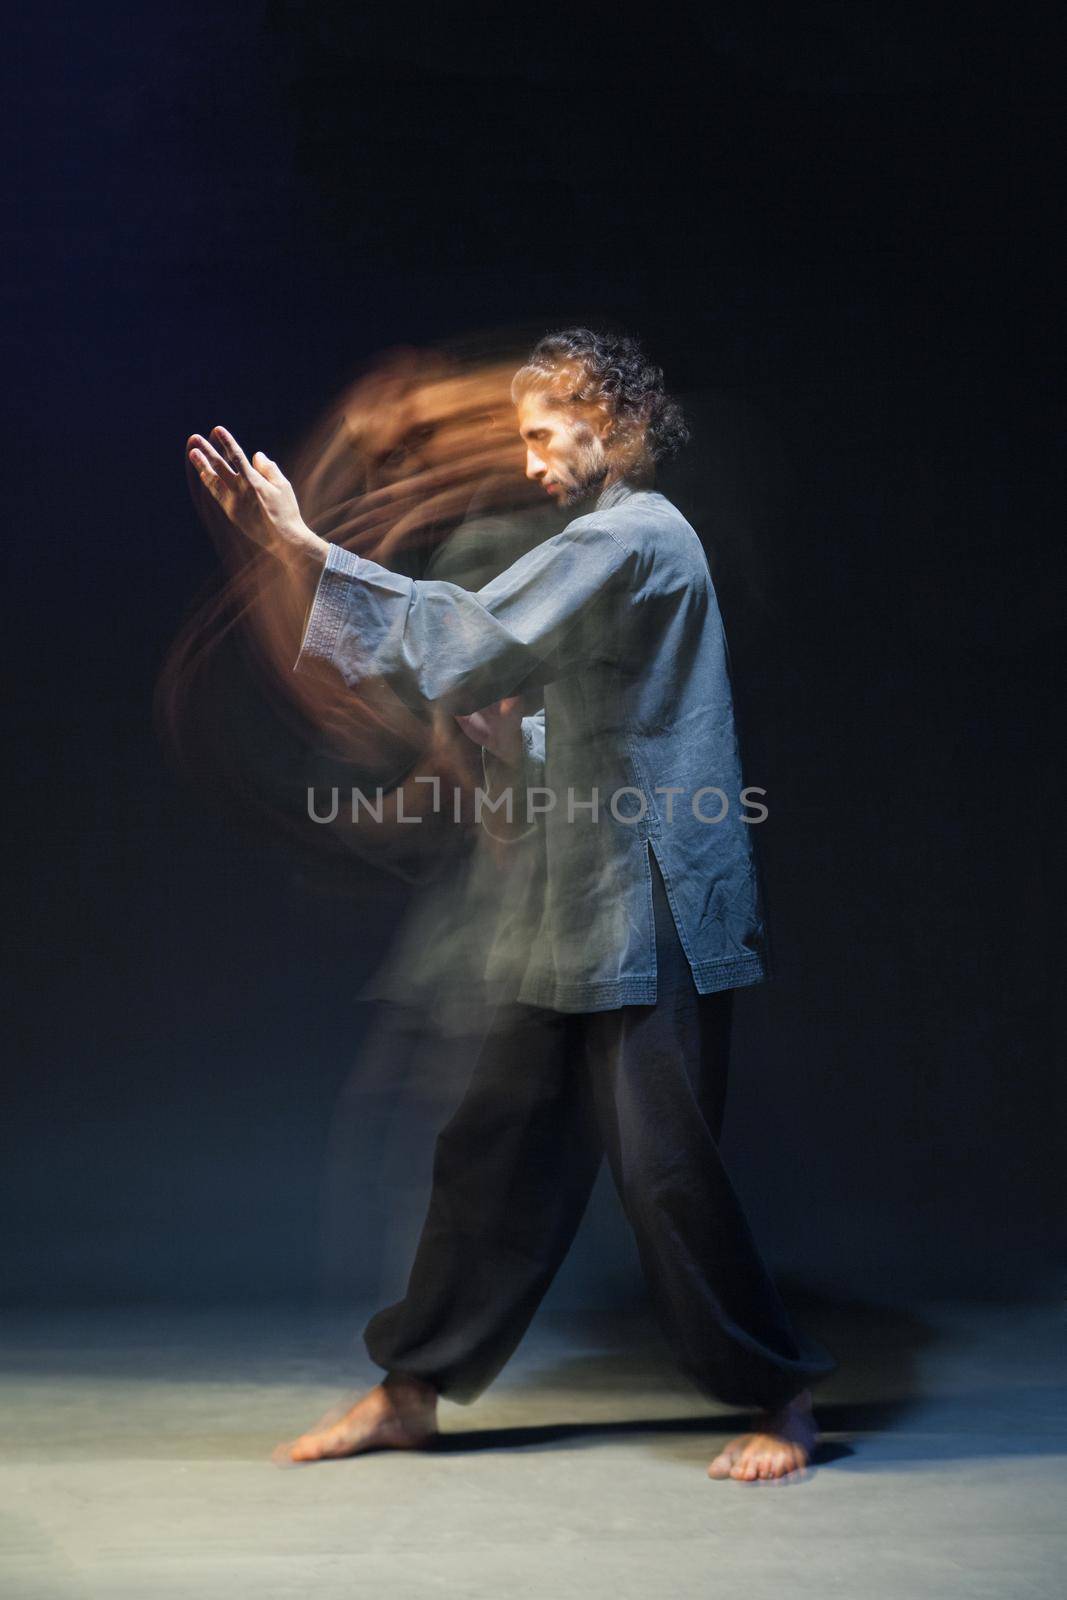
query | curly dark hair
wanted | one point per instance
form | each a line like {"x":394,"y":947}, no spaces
{"x":584,"y":367}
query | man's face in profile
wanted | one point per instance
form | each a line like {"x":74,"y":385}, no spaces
{"x":565,"y":451}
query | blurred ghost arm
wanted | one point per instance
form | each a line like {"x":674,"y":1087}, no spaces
{"x":526,"y":773}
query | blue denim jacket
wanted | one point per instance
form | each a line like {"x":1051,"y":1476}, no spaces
{"x":614,"y":626}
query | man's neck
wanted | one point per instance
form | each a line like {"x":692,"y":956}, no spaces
{"x":614,"y":492}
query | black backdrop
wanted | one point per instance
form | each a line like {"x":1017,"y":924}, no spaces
{"x":836,"y":227}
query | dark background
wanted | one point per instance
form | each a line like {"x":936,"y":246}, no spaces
{"x":836,"y":227}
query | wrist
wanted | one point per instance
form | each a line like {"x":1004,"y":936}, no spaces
{"x":304,"y":549}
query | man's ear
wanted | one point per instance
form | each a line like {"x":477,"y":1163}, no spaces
{"x":603,"y":423}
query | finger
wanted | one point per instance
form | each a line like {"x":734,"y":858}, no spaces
{"x":233,"y":452}
{"x":270,"y":469}
{"x":209,"y":457}
{"x":476,"y":732}
{"x":210,"y":479}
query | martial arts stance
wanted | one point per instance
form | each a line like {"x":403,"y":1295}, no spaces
{"x":645,"y":915}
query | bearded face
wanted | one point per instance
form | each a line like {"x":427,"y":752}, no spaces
{"x":566,"y":451}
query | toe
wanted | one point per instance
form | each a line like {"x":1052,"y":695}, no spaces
{"x":724,"y":1461}
{"x":790,"y":1465}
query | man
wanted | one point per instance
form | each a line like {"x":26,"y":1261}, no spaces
{"x":627,"y":783}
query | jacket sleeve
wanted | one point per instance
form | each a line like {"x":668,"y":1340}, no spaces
{"x":438,"y":642}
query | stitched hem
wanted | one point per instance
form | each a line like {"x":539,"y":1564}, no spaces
{"x":328,"y":607}
{"x":732,"y":972}
{"x":608,"y":995}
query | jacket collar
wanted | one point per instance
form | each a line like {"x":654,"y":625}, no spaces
{"x":614,"y":494}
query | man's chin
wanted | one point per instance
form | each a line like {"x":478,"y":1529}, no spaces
{"x":579,"y":495}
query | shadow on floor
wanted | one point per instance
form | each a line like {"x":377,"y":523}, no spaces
{"x":568,"y":1434}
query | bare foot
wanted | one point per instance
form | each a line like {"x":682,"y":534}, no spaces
{"x":399,"y":1414}
{"x":780,"y":1448}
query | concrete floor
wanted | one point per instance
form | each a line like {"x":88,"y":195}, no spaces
{"x":134,"y":1462}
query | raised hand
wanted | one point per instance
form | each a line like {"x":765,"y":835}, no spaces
{"x":256,"y":496}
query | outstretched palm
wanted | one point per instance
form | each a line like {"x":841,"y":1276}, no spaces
{"x":256,"y":495}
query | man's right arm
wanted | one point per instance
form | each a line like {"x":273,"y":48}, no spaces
{"x":513,"y":763}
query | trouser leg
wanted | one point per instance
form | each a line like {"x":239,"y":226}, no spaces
{"x":659,"y":1080}
{"x":513,"y":1171}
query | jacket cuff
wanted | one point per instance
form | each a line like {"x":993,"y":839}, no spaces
{"x":328,"y":608}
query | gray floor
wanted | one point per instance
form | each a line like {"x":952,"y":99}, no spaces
{"x":135,"y":1462}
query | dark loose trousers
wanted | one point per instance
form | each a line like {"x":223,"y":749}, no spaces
{"x":550,"y":1094}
